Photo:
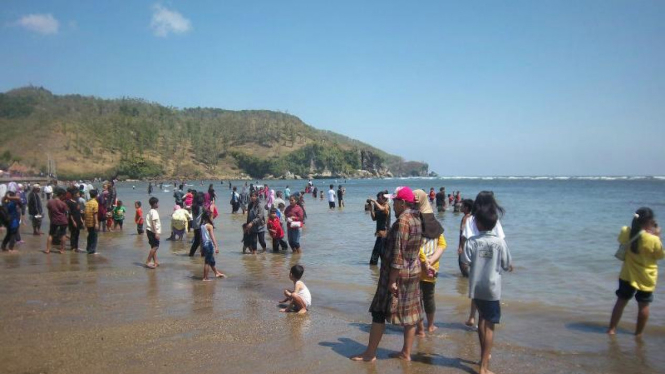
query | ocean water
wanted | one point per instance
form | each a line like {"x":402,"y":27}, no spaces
{"x":561,"y":232}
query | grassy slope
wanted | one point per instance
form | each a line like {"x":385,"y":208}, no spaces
{"x":90,"y":136}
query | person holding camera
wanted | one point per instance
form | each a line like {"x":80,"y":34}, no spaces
{"x":380,"y":211}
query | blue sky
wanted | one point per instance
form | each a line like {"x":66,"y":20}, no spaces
{"x":472,"y":88}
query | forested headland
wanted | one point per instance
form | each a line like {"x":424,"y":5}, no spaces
{"x":133,"y":138}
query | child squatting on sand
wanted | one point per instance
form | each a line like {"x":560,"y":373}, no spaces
{"x":299,"y":298}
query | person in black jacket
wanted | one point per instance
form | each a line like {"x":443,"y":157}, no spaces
{"x":35,"y":209}
{"x":255,"y":228}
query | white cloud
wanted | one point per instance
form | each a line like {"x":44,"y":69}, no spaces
{"x":40,"y":23}
{"x":166,"y":21}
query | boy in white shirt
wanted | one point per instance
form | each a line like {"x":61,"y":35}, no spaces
{"x":331,"y":197}
{"x":153,"y":230}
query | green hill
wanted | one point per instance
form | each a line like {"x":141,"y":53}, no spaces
{"x":89,"y":137}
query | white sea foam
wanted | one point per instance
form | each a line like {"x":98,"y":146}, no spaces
{"x":541,"y":177}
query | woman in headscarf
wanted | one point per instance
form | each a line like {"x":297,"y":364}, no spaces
{"x":255,"y":228}
{"x":432,"y":247}
{"x":270,"y":199}
{"x":397,"y":297}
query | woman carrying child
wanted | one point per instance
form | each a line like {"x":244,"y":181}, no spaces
{"x":639,"y":272}
{"x":208,"y":246}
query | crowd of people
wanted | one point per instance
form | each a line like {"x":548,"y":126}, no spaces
{"x":409,"y":249}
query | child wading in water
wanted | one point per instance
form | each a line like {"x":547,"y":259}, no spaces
{"x":209,"y":244}
{"x":138,"y":217}
{"x":299,"y":298}
{"x":153,"y":230}
{"x":119,"y":215}
{"x":276,"y":231}
{"x":639,"y":272}
{"x":486,"y":254}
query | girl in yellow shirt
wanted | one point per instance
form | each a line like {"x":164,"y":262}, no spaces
{"x":639,"y":271}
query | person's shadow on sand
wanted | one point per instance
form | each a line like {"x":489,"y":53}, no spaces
{"x":347,"y":347}
{"x":390,"y":329}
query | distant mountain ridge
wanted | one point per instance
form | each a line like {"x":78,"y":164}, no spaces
{"x":89,"y":137}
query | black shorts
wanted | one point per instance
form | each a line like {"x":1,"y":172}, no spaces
{"x":378,"y":317}
{"x":626,"y":292}
{"x":331,"y":204}
{"x":489,"y":310}
{"x":154,"y":242}
{"x":57,"y":231}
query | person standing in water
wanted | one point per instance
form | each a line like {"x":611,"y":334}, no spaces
{"x":35,"y":210}
{"x":397,"y":298}
{"x":209,"y":247}
{"x":639,"y":272}
{"x":153,"y":231}
{"x":340,"y":196}
{"x":380,"y":212}
{"x":331,"y":197}
{"x":295,"y":216}
{"x":487,"y":256}
{"x":255,"y":228}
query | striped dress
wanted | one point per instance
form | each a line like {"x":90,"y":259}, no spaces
{"x":401,"y":252}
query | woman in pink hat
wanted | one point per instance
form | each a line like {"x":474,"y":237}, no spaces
{"x":397,"y":297}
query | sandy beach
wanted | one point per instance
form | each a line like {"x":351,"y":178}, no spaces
{"x":76,"y":313}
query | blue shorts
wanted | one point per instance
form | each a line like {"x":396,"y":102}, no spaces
{"x":489,"y":310}
{"x":209,"y":253}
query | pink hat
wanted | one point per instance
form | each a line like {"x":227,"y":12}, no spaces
{"x":404,"y":193}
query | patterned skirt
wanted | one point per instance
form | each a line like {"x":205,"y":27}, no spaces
{"x":406,"y":308}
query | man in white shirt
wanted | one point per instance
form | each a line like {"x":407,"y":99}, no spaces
{"x":331,"y":197}
{"x":48,"y":190}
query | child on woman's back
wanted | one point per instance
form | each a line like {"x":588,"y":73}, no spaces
{"x":299,"y":298}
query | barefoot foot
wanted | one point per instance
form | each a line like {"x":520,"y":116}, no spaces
{"x":400,"y":355}
{"x":363,"y":358}
{"x":432,"y":328}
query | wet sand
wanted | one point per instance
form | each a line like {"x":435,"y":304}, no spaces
{"x":76,"y":313}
